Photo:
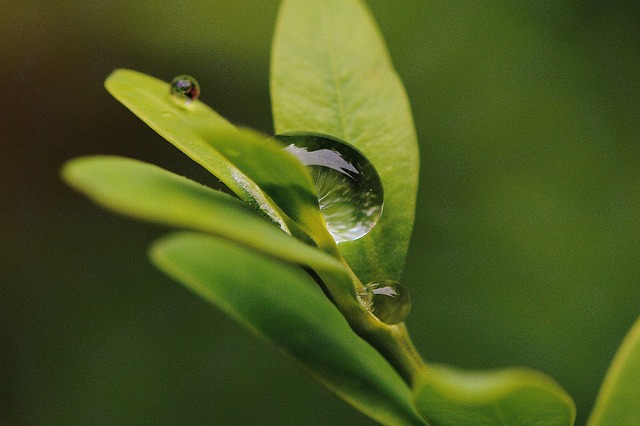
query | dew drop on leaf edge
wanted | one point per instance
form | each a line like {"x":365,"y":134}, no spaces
{"x":184,"y":89}
{"x":388,"y":300}
{"x":349,"y":189}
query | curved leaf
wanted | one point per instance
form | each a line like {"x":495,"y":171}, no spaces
{"x":282,"y":303}
{"x":248,"y":163}
{"x":618,"y":402}
{"x":331,"y":73}
{"x":148,"y":192}
{"x":149,"y":99}
{"x":447,"y":396}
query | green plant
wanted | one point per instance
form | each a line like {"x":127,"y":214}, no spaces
{"x":330,"y":74}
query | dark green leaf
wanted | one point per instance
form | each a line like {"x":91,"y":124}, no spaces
{"x":282,"y":303}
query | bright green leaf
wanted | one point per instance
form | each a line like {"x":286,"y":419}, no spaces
{"x":331,"y":73}
{"x":149,"y":99}
{"x":618,"y":402}
{"x":282,"y":303}
{"x":248,"y":163}
{"x":148,"y":192}
{"x":447,"y":396}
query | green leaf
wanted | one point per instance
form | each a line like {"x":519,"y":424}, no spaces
{"x":447,"y":396}
{"x":148,"y":192}
{"x":282,"y":303}
{"x":149,"y":99}
{"x":618,"y":402}
{"x":256,"y":169}
{"x":331,"y":73}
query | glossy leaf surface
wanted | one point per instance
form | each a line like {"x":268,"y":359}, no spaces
{"x":331,"y":73}
{"x":256,"y":169}
{"x":282,"y":303}
{"x":448,"y":396}
{"x":148,"y":192}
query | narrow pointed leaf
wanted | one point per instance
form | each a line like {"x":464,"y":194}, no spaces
{"x":331,"y":73}
{"x":447,"y":396}
{"x":149,"y":99}
{"x":281,"y":303}
{"x":618,"y":402}
{"x":148,"y":192}
{"x":256,"y":169}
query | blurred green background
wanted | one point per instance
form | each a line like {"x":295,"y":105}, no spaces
{"x":527,"y":235}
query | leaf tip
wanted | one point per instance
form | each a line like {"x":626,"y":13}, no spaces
{"x":71,"y":171}
{"x":158,"y":250}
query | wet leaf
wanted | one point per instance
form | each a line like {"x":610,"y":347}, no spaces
{"x":282,"y":303}
{"x":255,"y":168}
{"x":331,"y":73}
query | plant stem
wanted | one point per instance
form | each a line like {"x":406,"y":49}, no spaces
{"x":391,"y":341}
{"x":396,"y":346}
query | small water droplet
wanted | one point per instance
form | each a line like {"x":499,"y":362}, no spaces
{"x":388,"y":300}
{"x":185,"y":89}
{"x":349,"y":188}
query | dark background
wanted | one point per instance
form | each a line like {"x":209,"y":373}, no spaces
{"x":527,"y":235}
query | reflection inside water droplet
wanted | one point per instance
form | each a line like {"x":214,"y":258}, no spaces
{"x":349,"y":188}
{"x":184,"y":89}
{"x":388,"y":300}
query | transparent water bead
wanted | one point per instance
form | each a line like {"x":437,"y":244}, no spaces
{"x":185,"y":89}
{"x":388,"y":300}
{"x":349,"y":188}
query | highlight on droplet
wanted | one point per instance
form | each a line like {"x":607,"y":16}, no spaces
{"x":387,"y":300}
{"x":349,"y":189}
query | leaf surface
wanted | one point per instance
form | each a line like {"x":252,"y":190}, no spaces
{"x":148,"y":192}
{"x":255,"y":168}
{"x":618,"y":401}
{"x":331,"y":73}
{"x":282,"y":303}
{"x":447,"y":396}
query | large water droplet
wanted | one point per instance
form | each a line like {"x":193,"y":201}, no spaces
{"x":185,"y":89}
{"x":387,"y":300}
{"x":349,"y":188}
